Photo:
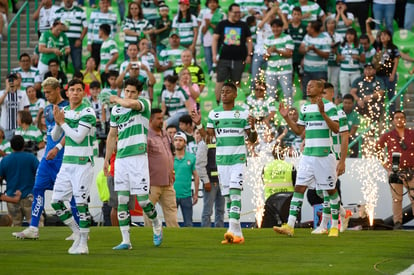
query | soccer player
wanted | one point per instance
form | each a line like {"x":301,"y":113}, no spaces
{"x":340,"y":145}
{"x":50,"y":164}
{"x":129,"y":125}
{"x":229,"y":124}
{"x":77,"y":121}
{"x":319,"y":118}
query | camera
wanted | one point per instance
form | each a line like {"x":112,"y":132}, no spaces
{"x":395,"y":161}
{"x":11,"y":80}
{"x":395,"y":175}
{"x":135,"y":65}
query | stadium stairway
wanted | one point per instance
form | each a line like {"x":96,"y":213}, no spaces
{"x":33,"y":40}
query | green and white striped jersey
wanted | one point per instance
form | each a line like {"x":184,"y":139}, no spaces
{"x":175,"y":102}
{"x":312,"y":61}
{"x":349,"y":64}
{"x":34,"y":108}
{"x":74,"y":18}
{"x":30,"y":77}
{"x":185,"y":29}
{"x":341,"y":28}
{"x":138,"y":26}
{"x":132,"y":128}
{"x":173,"y":55}
{"x":317,"y":133}
{"x":108,"y":49}
{"x":30,"y":134}
{"x":150,"y":10}
{"x":247,"y":5}
{"x":336,"y":137}
{"x":229,"y":127}
{"x":98,"y":18}
{"x":313,"y":8}
{"x":277,"y":64}
{"x":80,"y":153}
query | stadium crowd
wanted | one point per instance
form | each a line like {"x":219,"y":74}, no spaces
{"x":343,"y":47}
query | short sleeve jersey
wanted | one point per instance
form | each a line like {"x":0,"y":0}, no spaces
{"x":132,"y":128}
{"x":317,"y":133}
{"x":229,"y":127}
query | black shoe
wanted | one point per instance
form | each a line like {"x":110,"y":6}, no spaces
{"x":397,"y":226}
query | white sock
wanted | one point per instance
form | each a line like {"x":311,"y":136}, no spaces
{"x":125,"y":234}
{"x":72,"y":225}
{"x":291,"y":221}
{"x":34,"y":228}
{"x":325,"y":220}
{"x":84,"y":233}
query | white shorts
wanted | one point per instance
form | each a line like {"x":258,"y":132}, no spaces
{"x":317,"y":172}
{"x":230,"y":176}
{"x":73,"y":179}
{"x":132,"y":174}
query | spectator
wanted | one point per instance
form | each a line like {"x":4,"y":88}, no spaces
{"x":12,"y":100}
{"x":386,"y":63}
{"x":207,"y":171}
{"x":369,"y":50}
{"x":44,"y":15}
{"x":297,"y":30}
{"x":350,"y":55}
{"x":171,"y":131}
{"x":209,"y":21}
{"x":53,"y":44}
{"x":311,"y":11}
{"x":316,"y":47}
{"x":98,"y":17}
{"x":32,"y":136}
{"x":184,"y":168}
{"x":162,"y":28}
{"x":187,"y":26}
{"x":54,"y":71}
{"x":196,"y":72}
{"x":192,"y":89}
{"x":5,"y":148}
{"x":409,"y":19}
{"x":30,"y":75}
{"x":230,"y":39}
{"x":333,"y":65}
{"x":109,"y":53}
{"x":343,"y":18}
{"x":287,"y":138}
{"x":135,"y":27}
{"x":113,"y":88}
{"x":19,"y":171}
{"x":4,"y":11}
{"x":279,"y":61}
{"x":353,"y":123}
{"x":147,"y":55}
{"x":91,"y":74}
{"x":150,"y":9}
{"x":171,"y":55}
{"x":161,"y":167}
{"x":399,"y":140}
{"x":368,"y":92}
{"x":136,"y":69}
{"x":36,"y":104}
{"x":384,"y":10}
{"x":359,"y":9}
{"x":174,"y":101}
{"x":76,"y":28}
{"x":185,"y":125}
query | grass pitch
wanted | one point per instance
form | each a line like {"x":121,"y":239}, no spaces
{"x":198,"y":251}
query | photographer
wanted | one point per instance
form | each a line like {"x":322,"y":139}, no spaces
{"x":400,"y":163}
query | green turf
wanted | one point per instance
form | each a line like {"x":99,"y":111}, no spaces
{"x":198,"y":251}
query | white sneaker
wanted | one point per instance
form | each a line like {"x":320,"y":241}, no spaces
{"x":320,"y":230}
{"x":80,"y":250}
{"x":76,"y":241}
{"x":28,"y":233}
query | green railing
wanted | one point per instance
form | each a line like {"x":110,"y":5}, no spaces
{"x":400,"y":95}
{"x":16,"y":19}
